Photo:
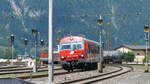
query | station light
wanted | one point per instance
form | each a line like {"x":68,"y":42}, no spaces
{"x":146,"y":29}
{"x":12,"y":37}
{"x":42,"y":42}
{"x":34,"y":32}
{"x":26,"y":41}
{"x":100,"y":21}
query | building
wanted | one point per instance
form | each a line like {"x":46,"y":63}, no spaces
{"x":138,"y":50}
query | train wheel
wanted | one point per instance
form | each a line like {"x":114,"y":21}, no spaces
{"x":71,"y":70}
{"x":82,"y":66}
{"x":68,"y":70}
{"x":70,"y":66}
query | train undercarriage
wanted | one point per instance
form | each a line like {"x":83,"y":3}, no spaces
{"x":71,"y":65}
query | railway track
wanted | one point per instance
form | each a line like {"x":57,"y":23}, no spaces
{"x":8,"y":67}
{"x":61,"y":72}
{"x":20,"y":70}
{"x":100,"y":77}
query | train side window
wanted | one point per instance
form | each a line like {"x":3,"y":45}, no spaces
{"x":96,"y":49}
{"x":90,"y":48}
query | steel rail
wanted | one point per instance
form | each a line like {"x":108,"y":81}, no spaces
{"x":99,"y":77}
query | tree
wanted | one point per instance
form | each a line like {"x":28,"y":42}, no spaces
{"x":128,"y":57}
{"x":7,"y":53}
{"x":2,"y":51}
{"x":144,"y":60}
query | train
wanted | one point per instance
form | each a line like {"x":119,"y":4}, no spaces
{"x":76,"y":52}
{"x":112,"y":56}
{"x":44,"y":57}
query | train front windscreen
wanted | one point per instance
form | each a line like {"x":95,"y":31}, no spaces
{"x":71,"y":46}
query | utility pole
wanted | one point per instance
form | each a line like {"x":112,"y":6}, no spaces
{"x":12,"y":38}
{"x":110,"y":40}
{"x":50,"y":57}
{"x":35,"y":34}
{"x":100,"y":66}
{"x":146,"y":30}
{"x":25,"y":43}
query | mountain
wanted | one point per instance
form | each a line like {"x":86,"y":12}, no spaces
{"x":123,"y":20}
{"x":19,"y":17}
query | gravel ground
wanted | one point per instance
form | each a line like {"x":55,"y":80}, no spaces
{"x":134,"y":77}
{"x":72,"y":76}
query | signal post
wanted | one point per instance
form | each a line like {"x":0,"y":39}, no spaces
{"x":100,"y":65}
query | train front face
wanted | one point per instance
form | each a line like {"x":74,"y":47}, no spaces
{"x":72,"y":52}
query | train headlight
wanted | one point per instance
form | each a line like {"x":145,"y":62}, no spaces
{"x":62,"y":57}
{"x":82,"y":55}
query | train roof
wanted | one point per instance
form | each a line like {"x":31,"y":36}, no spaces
{"x":76,"y":39}
{"x":93,"y":41}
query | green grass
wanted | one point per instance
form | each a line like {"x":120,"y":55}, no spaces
{"x":23,"y":74}
{"x":139,"y":66}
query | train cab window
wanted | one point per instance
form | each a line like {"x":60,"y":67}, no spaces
{"x":74,"y":47}
{"x":65,"y":47}
{"x":77,"y":46}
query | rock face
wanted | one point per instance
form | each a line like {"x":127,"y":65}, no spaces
{"x":19,"y":17}
{"x":123,"y":20}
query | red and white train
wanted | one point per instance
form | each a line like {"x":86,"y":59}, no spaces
{"x":75,"y":52}
{"x":78,"y":53}
{"x":44,"y":56}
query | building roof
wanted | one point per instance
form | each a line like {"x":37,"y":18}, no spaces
{"x":135,"y":47}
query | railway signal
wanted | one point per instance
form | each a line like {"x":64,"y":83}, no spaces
{"x":42,"y":42}
{"x":146,"y":30}
{"x":25,"y":43}
{"x":100,"y":66}
{"x":35,"y":34}
{"x":12,"y":39}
